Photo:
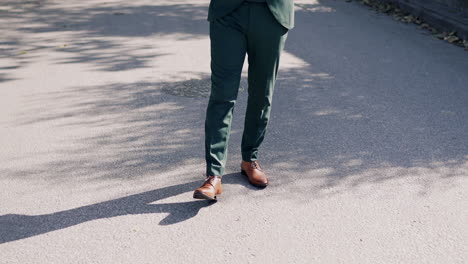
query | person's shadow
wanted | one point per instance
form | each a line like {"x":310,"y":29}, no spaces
{"x":14,"y":226}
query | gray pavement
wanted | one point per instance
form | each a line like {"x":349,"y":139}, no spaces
{"x":101,"y":133}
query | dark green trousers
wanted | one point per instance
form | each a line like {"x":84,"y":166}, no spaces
{"x":250,"y":29}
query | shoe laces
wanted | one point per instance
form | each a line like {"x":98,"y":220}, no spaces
{"x":210,"y":179}
{"x":256,"y":165}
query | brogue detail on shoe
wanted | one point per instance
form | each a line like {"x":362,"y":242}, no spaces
{"x":209,"y":189}
{"x":254,"y":172}
{"x":255,"y":165}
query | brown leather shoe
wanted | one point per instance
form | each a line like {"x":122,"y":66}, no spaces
{"x":254,"y":172}
{"x":209,"y":189}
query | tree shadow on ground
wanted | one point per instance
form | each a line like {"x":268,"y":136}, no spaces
{"x":98,"y":34}
{"x":359,"y":115}
{"x":336,"y":114}
{"x":338,"y":122}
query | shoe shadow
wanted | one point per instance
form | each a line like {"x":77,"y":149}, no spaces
{"x":15,"y":226}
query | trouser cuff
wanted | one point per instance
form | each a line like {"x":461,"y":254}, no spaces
{"x":212,"y":170}
{"x":249,"y":156}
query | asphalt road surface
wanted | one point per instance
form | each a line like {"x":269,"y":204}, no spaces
{"x":102,"y":107}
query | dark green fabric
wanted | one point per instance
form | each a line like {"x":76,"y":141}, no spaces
{"x":282,"y":10}
{"x":250,"y":29}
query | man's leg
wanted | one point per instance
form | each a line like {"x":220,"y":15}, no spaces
{"x":266,"y":39}
{"x":228,"y":49}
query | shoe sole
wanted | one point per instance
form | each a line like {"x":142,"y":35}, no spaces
{"x":254,"y":184}
{"x":199,"y":195}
